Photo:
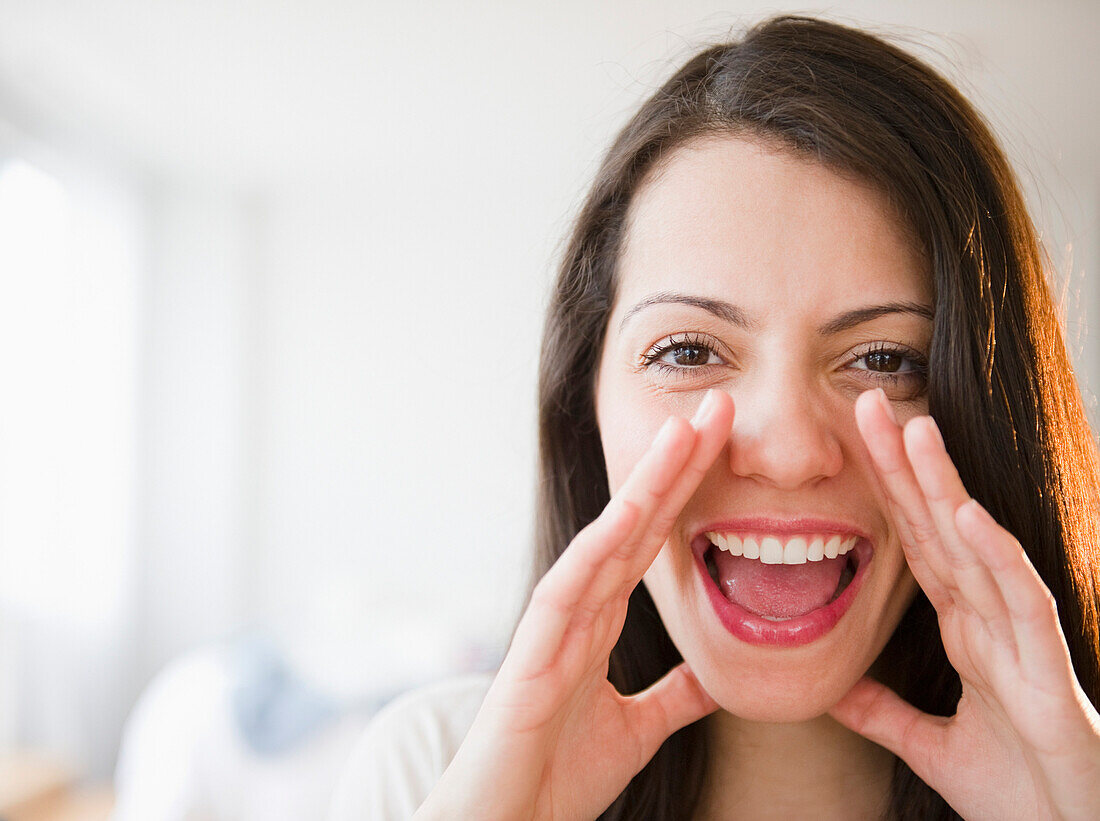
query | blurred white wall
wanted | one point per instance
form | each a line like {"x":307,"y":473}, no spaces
{"x":194,"y":392}
{"x":353,"y":213}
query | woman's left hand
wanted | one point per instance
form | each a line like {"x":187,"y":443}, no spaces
{"x":1025,"y":740}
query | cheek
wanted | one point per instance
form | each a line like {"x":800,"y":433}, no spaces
{"x":629,"y":412}
{"x":628,"y":419}
{"x":624,"y":443}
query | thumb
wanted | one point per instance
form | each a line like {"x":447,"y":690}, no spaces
{"x":676,"y":700}
{"x":876,"y":712}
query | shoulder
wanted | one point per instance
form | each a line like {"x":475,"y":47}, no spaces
{"x":405,"y":749}
{"x":428,"y":722}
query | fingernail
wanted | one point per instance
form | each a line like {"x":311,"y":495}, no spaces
{"x":886,"y":406}
{"x":977,"y":510}
{"x":931,"y":429}
{"x":979,"y":517}
{"x":704,"y":409}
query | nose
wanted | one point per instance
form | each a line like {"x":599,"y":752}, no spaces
{"x":785,"y":435}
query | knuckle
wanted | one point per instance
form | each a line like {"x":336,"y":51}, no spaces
{"x":1050,"y":605}
{"x":1043,"y":609}
{"x":540,"y":594}
{"x":922,"y":531}
{"x":662,"y":526}
{"x":545,"y":596}
{"x":892,"y":468}
{"x":961,"y":560}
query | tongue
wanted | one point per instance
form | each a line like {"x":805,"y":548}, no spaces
{"x":781,"y":591}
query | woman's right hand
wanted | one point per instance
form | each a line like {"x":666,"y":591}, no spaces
{"x":553,"y":738}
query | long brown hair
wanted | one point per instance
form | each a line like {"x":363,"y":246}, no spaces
{"x":1001,"y":386}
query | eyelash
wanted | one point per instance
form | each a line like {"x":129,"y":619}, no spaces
{"x":918,"y":363}
{"x":652,"y":357}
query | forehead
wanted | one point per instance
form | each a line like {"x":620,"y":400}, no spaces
{"x":735,"y":218}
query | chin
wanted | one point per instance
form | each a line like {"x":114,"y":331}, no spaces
{"x":776,"y":696}
{"x":780,"y":670}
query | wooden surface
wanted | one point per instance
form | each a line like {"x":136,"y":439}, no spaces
{"x":37,"y":788}
{"x":26,"y":778}
{"x":93,"y":804}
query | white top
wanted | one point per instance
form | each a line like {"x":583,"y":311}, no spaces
{"x":405,"y":750}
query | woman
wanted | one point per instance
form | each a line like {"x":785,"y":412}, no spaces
{"x":808,"y":242}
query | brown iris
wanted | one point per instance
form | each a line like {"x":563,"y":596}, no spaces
{"x":690,"y":355}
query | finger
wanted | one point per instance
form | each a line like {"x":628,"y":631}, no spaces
{"x":632,"y":558}
{"x":712,"y":423}
{"x":882,"y":435}
{"x":603,"y":560}
{"x":945,"y":495}
{"x":539,"y":634}
{"x":878,"y":713}
{"x":1033,"y":613}
{"x":565,"y":594}
{"x":644,"y":490}
{"x":676,"y":700}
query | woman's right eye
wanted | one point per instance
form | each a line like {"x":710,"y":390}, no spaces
{"x":682,"y":353}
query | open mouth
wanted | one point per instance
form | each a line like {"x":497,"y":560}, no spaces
{"x":782,"y":589}
{"x":779,"y":578}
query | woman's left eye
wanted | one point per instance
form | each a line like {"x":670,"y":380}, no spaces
{"x":890,"y":362}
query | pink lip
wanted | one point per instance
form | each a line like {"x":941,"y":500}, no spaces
{"x":754,"y":629}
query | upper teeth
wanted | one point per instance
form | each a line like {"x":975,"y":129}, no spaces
{"x":784,"y":549}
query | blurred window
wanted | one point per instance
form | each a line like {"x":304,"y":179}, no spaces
{"x":68,"y":263}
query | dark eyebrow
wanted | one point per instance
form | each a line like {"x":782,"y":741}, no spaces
{"x":731,"y":313}
{"x":725,"y":311}
{"x":849,"y":319}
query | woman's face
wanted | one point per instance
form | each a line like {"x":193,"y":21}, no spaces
{"x":794,"y":289}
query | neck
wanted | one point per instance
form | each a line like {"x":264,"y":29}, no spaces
{"x":811,"y":769}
